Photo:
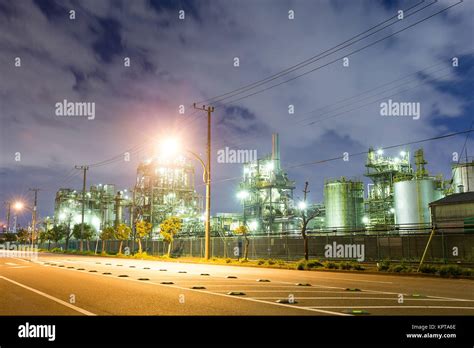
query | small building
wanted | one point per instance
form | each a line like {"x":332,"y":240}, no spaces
{"x":454,"y":213}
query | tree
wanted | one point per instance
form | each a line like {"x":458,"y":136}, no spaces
{"x":58,"y":232}
{"x":243,"y":230}
{"x":106,"y":234}
{"x":168,"y":229}
{"x":23,"y":235}
{"x":306,"y":216}
{"x":45,"y":235}
{"x":142,"y":229}
{"x":123,"y":233}
{"x":87,"y":234}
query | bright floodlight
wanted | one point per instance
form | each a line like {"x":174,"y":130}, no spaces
{"x":169,"y":147}
{"x":302,"y":205}
{"x":379,"y":152}
{"x":242,"y":194}
{"x":403,"y":153}
{"x":18,"y":206}
{"x":253,"y":225}
{"x":365,"y":220}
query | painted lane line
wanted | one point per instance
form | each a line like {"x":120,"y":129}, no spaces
{"x":19,"y":267}
{"x":360,"y":298}
{"x":401,"y":307}
{"x":64,"y":303}
{"x":11,"y":264}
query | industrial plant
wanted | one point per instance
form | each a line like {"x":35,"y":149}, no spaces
{"x":397,"y":198}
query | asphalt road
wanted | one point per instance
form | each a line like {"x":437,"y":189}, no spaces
{"x":81,"y":285}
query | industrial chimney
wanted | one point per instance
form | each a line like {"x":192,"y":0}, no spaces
{"x":276,"y":150}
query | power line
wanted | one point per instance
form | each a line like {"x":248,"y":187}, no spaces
{"x":357,"y":154}
{"x":311,"y":59}
{"x":337,"y":59}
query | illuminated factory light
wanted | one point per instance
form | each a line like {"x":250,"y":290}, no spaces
{"x":269,"y":166}
{"x":302,"y":205}
{"x":379,"y":152}
{"x":253,"y":225}
{"x":403,"y":153}
{"x":365,"y":220}
{"x":242,"y":194}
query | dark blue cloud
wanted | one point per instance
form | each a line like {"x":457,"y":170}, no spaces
{"x":109,"y":42}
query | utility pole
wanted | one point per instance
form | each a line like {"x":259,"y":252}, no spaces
{"x":84,"y":168}
{"x":33,"y":231}
{"x":209,"y":109}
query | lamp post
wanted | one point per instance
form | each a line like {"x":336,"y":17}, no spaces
{"x":18,"y":206}
{"x":171,"y":146}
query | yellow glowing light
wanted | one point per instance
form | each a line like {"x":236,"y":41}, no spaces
{"x":169,"y":147}
{"x":18,"y":205}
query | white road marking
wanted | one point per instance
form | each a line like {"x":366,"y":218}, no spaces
{"x":11,"y":264}
{"x":218,"y":294}
{"x":385,"y":307}
{"x":20,"y":267}
{"x":169,"y":267}
{"x":360,"y":298}
{"x":77,"y":309}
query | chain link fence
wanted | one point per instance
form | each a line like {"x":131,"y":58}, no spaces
{"x":448,"y":247}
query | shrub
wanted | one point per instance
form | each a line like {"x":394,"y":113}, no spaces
{"x":358,"y":267}
{"x":271,"y":262}
{"x":383,"y":266}
{"x":56,"y":250}
{"x":345,"y":265}
{"x":260,"y":262}
{"x":301,"y":265}
{"x":467,"y":272}
{"x":244,"y":261}
{"x":450,"y":270}
{"x":228,"y":260}
{"x":314,"y":264}
{"x":331,"y":265}
{"x":398,"y":268}
{"x":428,"y":269}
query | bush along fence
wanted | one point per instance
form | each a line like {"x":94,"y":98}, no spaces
{"x":449,"y":248}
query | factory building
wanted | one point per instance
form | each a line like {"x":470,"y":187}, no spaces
{"x":412,"y":196}
{"x":164,"y":188}
{"x":454,"y":213}
{"x":344,"y":204}
{"x":266,"y":194}
{"x":103,"y":206}
{"x":463,"y":177}
{"x":383,"y":170}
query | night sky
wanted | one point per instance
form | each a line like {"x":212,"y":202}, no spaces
{"x":177,"y":62}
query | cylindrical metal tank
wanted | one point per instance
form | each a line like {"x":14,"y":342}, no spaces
{"x":411,"y":199}
{"x":344,"y":204}
{"x":463,"y":177}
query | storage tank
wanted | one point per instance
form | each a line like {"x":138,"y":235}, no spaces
{"x":344,"y":204}
{"x":411,"y":198}
{"x":463,"y":177}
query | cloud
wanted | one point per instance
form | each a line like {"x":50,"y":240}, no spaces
{"x":176,"y":62}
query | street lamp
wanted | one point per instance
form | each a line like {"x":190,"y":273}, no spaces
{"x":171,"y":146}
{"x":18,"y":206}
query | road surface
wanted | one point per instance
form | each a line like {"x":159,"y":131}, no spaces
{"x":82,"y":285}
